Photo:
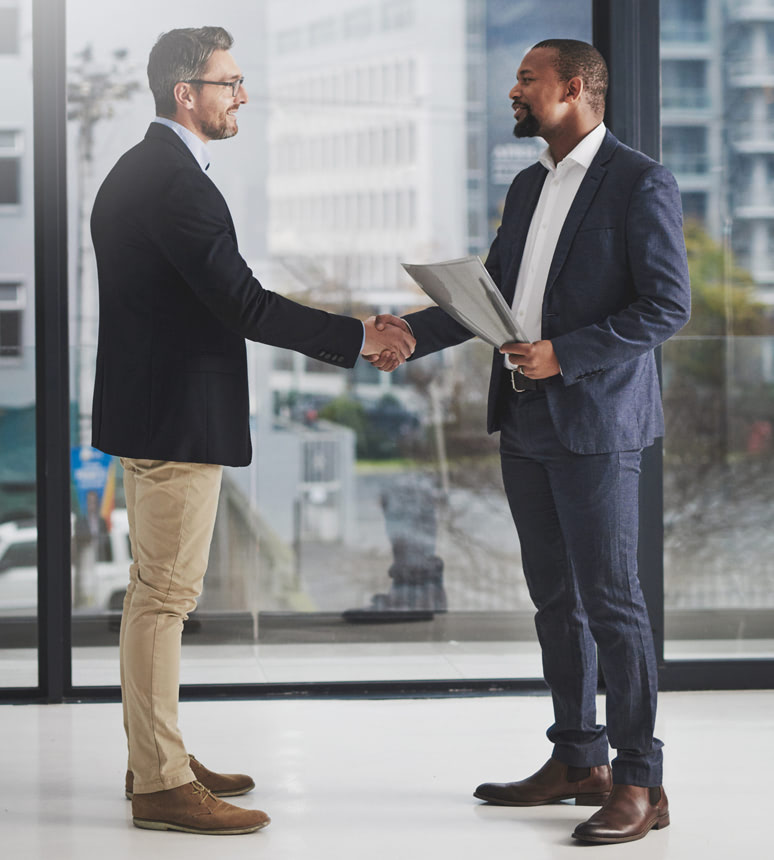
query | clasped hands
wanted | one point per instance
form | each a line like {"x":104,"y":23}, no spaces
{"x":535,"y":360}
{"x":388,"y":341}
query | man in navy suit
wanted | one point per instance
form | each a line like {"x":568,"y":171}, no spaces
{"x":591,"y":256}
{"x":177,"y":301}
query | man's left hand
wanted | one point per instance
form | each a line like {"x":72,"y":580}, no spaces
{"x":535,"y":360}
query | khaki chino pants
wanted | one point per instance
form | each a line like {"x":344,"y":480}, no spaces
{"x":171,"y":509}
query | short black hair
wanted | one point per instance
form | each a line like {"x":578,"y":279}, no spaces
{"x":181,"y":55}
{"x":575,"y":59}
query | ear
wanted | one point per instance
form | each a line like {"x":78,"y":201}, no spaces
{"x":184,"y":95}
{"x":573,"y":90}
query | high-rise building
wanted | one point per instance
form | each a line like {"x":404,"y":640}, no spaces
{"x":17,"y":295}
{"x":368,"y":143}
{"x":749,"y":32}
{"x":717,"y":64}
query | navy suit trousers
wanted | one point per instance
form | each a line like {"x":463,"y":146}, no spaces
{"x":577,"y":519}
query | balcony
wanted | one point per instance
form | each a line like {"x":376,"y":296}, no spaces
{"x":686,"y":163}
{"x":753,"y":138}
{"x":750,"y":10}
{"x":676,"y":30}
{"x":752,"y":71}
{"x":755,"y":202}
{"x":685,"y":98}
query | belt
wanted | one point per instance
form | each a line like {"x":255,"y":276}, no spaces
{"x":521,"y":383}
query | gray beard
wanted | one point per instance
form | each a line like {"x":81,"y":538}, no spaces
{"x":218,"y":132}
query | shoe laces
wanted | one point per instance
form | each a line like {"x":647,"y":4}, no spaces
{"x":202,"y":791}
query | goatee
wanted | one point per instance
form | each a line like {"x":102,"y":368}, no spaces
{"x":527,"y":127}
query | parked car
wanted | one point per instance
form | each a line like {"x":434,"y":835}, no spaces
{"x":19,"y":565}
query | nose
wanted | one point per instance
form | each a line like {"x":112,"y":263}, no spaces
{"x":515,"y":89}
{"x":241,"y":95}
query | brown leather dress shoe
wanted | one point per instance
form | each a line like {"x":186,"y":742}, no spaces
{"x":190,"y":808}
{"x":219,"y":784}
{"x":554,"y":781}
{"x":630,"y":813}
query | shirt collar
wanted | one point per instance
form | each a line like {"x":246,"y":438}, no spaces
{"x":583,"y":153}
{"x":195,"y":144}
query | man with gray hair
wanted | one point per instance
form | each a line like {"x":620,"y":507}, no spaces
{"x":177,"y":301}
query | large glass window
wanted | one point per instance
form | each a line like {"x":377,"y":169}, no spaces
{"x":370,"y":538}
{"x":719,"y":371}
{"x":18,"y":530}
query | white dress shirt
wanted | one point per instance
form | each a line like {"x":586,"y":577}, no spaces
{"x":559,"y":190}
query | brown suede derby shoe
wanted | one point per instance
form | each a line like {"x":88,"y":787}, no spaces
{"x":219,"y":784}
{"x":630,"y":813}
{"x":191,"y":808}
{"x":554,"y":781}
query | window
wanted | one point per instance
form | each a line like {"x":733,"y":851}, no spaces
{"x":397,"y":14}
{"x":356,"y":23}
{"x":684,"y":20}
{"x":718,"y":393}
{"x":10,"y":166}
{"x":322,"y":31}
{"x":684,"y":150}
{"x":684,"y":84}
{"x":289,"y":41}
{"x":9,"y":30}
{"x":11,"y":306}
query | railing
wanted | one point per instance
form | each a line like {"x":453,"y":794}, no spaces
{"x":751,"y":10}
{"x":758,"y":132}
{"x":675,"y":30}
{"x":697,"y":98}
{"x":751,"y":67}
{"x":686,"y":162}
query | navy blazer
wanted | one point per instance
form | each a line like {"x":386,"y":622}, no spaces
{"x":176,"y":302}
{"x":617,"y":288}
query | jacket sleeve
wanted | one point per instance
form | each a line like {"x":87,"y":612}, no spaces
{"x":192,"y":229}
{"x":659,"y":271}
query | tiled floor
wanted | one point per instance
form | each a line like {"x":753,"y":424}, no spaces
{"x":380,"y":780}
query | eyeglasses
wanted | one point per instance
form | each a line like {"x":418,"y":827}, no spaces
{"x":235,"y":85}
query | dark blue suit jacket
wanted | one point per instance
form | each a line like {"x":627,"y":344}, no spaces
{"x":176,"y":302}
{"x":617,"y":288}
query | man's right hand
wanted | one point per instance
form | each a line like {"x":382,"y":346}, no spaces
{"x":388,"y":341}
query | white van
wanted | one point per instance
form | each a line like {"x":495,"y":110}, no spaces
{"x":19,"y":566}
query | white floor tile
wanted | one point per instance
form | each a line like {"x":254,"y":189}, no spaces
{"x":383,"y":780}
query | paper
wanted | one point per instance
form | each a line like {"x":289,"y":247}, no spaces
{"x":466,"y":291}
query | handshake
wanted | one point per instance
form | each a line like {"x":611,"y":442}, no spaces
{"x":388,"y":342}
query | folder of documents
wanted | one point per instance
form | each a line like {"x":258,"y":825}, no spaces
{"x":465,"y":290}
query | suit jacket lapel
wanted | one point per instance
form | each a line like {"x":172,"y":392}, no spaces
{"x":588,"y":189}
{"x":528,"y":201}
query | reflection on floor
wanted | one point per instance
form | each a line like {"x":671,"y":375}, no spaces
{"x":383,"y":780}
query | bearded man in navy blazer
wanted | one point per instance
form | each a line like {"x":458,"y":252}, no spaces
{"x":591,"y":256}
{"x":177,"y":301}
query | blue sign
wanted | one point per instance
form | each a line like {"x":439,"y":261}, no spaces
{"x":90,"y":471}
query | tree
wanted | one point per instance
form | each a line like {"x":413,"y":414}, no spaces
{"x":713,"y":384}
